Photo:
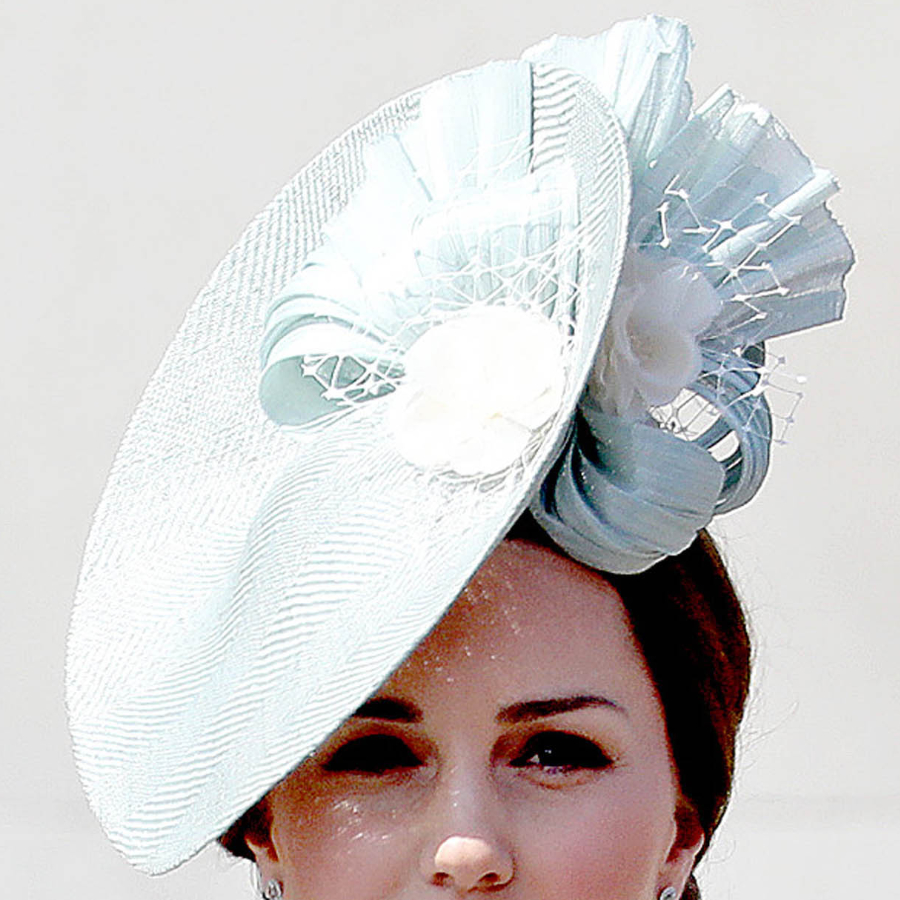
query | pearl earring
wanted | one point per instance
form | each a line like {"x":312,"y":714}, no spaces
{"x":668,"y":893}
{"x":273,"y":890}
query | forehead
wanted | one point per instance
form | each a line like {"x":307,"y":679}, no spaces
{"x":531,"y":622}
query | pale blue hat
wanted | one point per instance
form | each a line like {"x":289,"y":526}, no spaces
{"x":539,"y":284}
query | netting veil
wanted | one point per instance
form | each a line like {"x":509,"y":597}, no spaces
{"x":540,"y":283}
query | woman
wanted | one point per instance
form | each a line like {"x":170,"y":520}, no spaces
{"x":573,"y":794}
{"x":491,"y":294}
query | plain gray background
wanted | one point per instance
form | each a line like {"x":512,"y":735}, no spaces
{"x":140,"y":138}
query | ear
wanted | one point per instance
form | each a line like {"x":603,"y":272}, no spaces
{"x":686,"y":846}
{"x":258,"y":838}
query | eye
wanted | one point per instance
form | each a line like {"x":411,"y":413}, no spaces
{"x":560,"y":752}
{"x":373,"y":754}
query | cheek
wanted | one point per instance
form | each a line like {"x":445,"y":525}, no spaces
{"x":333,"y":849}
{"x":609,"y":848}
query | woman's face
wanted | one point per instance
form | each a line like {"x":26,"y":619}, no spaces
{"x":521,"y":750}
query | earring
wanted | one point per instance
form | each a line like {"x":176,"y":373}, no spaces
{"x":273,"y":890}
{"x":668,"y":893}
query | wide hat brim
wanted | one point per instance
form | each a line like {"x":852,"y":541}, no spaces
{"x":245,"y":586}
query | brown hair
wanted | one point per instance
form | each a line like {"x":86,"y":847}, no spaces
{"x":690,"y":626}
{"x":255,"y":823}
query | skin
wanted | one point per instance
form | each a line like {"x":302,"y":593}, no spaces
{"x":458,"y":778}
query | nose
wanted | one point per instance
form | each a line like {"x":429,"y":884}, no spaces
{"x":471,"y":864}
{"x":465,"y":849}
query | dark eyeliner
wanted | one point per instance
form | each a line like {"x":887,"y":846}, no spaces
{"x":372,"y":754}
{"x":560,"y":750}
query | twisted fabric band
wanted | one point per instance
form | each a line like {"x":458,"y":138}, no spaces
{"x":625,"y":493}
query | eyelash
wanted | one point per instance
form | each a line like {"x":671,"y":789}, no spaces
{"x":550,"y":752}
{"x":567,"y":753}
{"x":374,"y":754}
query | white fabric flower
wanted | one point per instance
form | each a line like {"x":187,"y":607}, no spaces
{"x":649,"y":350}
{"x":476,"y":388}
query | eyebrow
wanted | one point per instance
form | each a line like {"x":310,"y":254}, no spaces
{"x":389,"y":710}
{"x":529,"y":710}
